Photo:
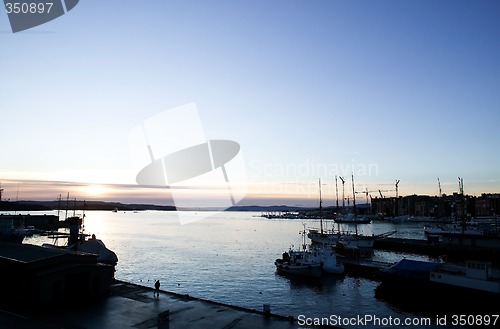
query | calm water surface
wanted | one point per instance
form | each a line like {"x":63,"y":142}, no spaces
{"x":229,"y":257}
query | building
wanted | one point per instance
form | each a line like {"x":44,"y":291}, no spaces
{"x":34,"y":275}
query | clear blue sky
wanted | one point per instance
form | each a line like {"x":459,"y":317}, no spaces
{"x":406,"y":90}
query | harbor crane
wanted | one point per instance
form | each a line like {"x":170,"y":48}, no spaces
{"x":343,"y":191}
{"x":367,"y":193}
{"x":337,"y":193}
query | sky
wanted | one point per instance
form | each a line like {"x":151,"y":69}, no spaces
{"x":376,"y":90}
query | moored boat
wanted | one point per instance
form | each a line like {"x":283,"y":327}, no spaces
{"x":476,"y":276}
{"x":474,"y":286}
{"x":79,"y":241}
{"x":9,"y":233}
{"x":351,"y":218}
{"x":299,"y":263}
{"x":311,"y":261}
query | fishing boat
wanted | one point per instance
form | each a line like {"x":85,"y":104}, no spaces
{"x":312,"y":260}
{"x":327,"y":256}
{"x":299,"y":263}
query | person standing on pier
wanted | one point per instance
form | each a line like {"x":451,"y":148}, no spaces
{"x":157,"y":288}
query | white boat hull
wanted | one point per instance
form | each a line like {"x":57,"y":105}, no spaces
{"x":312,"y":270}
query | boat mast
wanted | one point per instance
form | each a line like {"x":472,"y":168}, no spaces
{"x":304,"y":245}
{"x":354,"y":204}
{"x":67,"y":204}
{"x":320,"y":208}
{"x":353,"y":195}
{"x":337,"y":193}
{"x":337,"y":196}
{"x":59,"y":206}
{"x":396,"y":203}
{"x":439,"y":199}
{"x":343,"y":192}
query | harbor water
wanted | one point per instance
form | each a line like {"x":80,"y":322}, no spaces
{"x":229,"y":257}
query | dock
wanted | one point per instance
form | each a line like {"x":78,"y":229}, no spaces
{"x":456,"y":247}
{"x":133,"y":306}
{"x":365,"y":268}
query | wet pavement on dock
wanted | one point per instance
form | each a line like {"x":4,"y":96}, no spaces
{"x":133,"y":306}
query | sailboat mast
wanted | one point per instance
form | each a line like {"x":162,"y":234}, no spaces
{"x":337,"y":193}
{"x":354,"y":205}
{"x":320,"y":201}
{"x":67,"y":204}
{"x":343,"y":192}
{"x":353,"y":195}
{"x":59,"y":206}
{"x":320,"y":207}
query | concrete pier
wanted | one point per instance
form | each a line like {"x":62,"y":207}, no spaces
{"x":133,"y":306}
{"x":456,"y":247}
{"x":365,"y":268}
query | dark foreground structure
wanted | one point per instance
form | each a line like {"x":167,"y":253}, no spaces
{"x":59,"y":288}
{"x":37,"y":276}
{"x":131,"y":306}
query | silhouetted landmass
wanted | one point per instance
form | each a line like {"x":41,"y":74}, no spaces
{"x":282,"y":208}
{"x":77,"y":205}
{"x":21,"y":206}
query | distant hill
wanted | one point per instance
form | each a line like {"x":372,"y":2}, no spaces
{"x":77,"y":205}
{"x":265,"y":208}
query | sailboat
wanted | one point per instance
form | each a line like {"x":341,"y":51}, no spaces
{"x":345,"y":242}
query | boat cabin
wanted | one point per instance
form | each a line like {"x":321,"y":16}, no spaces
{"x":478,"y":270}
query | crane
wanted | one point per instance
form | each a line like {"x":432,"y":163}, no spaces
{"x":366,"y":192}
{"x":337,"y":192}
{"x":343,"y":191}
{"x":461,"y":185}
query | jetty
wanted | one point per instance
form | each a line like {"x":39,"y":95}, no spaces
{"x":456,"y":247}
{"x":365,"y":268}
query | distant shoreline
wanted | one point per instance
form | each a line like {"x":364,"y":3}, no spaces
{"x":77,"y":205}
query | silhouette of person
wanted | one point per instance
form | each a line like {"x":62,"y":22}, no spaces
{"x":157,"y":288}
